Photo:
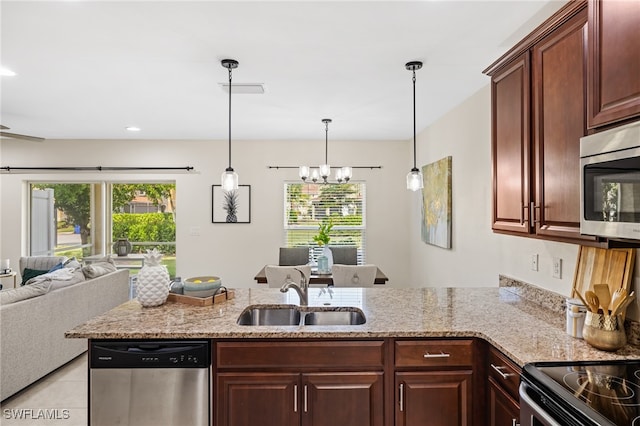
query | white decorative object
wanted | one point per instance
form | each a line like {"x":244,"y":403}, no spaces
{"x":326,"y":251}
{"x":152,"y":283}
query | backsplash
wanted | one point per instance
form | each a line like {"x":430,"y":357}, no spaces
{"x":556,"y":304}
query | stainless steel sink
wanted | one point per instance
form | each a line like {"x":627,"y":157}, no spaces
{"x":295,"y":315}
{"x":270,"y":315}
{"x":353,"y":316}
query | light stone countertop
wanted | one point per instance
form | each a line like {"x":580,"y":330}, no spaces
{"x":521,"y":329}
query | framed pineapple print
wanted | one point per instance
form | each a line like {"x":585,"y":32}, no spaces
{"x":231,"y":207}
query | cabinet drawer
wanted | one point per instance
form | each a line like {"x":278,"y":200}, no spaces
{"x":504,"y":371}
{"x":300,"y":355}
{"x":433,"y":353}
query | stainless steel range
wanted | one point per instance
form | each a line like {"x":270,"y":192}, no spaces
{"x":580,"y":393}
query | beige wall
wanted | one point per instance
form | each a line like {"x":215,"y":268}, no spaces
{"x":236,"y":251}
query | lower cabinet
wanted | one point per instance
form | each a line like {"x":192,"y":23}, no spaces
{"x":503,"y":409}
{"x":503,"y":380}
{"x":434,"y":382}
{"x":291,"y":383}
{"x":434,"y":398}
{"x":318,"y":399}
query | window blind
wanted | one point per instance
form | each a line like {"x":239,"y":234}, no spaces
{"x":308,"y":204}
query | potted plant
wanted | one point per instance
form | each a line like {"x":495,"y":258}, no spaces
{"x":323,"y":232}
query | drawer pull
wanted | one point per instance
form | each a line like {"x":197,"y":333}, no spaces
{"x":440,"y":355}
{"x":514,"y":422}
{"x":499,"y":370}
{"x":295,"y":398}
{"x":401,"y":397}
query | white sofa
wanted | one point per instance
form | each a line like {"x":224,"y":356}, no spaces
{"x":32,"y":342}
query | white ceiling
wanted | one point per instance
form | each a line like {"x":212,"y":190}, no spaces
{"x":88,"y":69}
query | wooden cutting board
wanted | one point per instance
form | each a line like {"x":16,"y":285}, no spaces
{"x":613,"y":267}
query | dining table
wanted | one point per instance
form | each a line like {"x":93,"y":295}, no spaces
{"x":326,"y":279}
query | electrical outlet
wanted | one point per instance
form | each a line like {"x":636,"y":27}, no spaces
{"x":534,"y":262}
{"x":557,"y":267}
{"x":194,"y":231}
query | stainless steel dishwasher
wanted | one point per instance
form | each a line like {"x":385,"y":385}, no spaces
{"x":149,"y":382}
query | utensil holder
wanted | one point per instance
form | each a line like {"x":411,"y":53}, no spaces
{"x":605,"y":332}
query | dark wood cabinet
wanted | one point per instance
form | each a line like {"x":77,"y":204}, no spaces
{"x":559,"y":79}
{"x":503,"y":409}
{"x":511,"y":146}
{"x":310,"y":383}
{"x":538,"y":116}
{"x":338,"y":398}
{"x":438,"y":398}
{"x":503,"y":380}
{"x":614,"y":62}
{"x":434,"y":382}
{"x":247,"y":399}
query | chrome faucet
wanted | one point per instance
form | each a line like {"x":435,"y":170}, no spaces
{"x":302,"y":289}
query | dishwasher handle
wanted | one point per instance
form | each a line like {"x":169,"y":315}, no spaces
{"x":150,"y":354}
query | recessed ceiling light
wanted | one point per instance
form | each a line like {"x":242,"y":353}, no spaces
{"x":6,"y":72}
{"x":244,"y":88}
{"x":133,"y":129}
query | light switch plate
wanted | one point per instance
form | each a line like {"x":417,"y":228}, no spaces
{"x":557,"y":267}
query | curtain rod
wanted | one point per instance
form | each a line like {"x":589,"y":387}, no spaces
{"x":353,"y":167}
{"x":96,"y":168}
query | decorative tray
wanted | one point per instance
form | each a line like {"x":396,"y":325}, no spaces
{"x":222,"y":296}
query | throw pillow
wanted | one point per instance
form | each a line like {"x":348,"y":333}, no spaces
{"x":21,"y":293}
{"x":29,"y":273}
{"x":97,"y":269}
{"x":55,"y":268}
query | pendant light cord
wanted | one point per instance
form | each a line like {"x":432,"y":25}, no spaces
{"x":414,"y":119}
{"x":230,"y":116}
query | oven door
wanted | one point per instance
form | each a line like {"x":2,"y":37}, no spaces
{"x":531,"y":414}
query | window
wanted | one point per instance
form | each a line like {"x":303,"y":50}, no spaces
{"x":83,"y":219}
{"x":308,"y":204}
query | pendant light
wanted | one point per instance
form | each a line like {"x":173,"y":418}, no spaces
{"x":324,"y":171}
{"x":414,"y":177}
{"x":229,"y":176}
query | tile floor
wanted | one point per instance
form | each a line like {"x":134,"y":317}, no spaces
{"x":59,"y":398}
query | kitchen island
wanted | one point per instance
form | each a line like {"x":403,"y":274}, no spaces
{"x":423,"y":356}
{"x":521,"y":329}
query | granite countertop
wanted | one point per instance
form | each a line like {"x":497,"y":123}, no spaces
{"x":523,"y":330}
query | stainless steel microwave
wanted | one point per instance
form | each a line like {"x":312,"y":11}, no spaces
{"x":610,"y":183}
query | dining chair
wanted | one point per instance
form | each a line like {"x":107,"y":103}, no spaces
{"x":278,"y":275}
{"x":291,"y":256}
{"x":345,"y":255}
{"x":353,"y":275}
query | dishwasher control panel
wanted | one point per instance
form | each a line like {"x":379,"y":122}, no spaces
{"x":150,"y":353}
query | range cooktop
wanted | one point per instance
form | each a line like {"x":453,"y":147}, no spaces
{"x":607,"y":392}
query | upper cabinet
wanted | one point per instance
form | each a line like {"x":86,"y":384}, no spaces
{"x":614,"y":62}
{"x":538,"y":103}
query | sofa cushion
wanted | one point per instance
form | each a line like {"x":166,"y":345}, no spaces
{"x":29,"y":273}
{"x":97,"y":269}
{"x":40,"y":262}
{"x":13,"y":295}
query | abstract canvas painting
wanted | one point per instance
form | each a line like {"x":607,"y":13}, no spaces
{"x":436,"y":203}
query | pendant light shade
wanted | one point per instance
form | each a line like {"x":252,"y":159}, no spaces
{"x":229,"y":176}
{"x":414,"y":177}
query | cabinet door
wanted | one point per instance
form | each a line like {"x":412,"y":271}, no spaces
{"x":249,"y":399}
{"x":345,"y":399}
{"x":434,"y":398}
{"x":614,"y":62}
{"x":559,"y":78}
{"x":503,"y":409}
{"x":510,"y":146}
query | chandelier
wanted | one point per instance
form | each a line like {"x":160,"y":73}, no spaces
{"x":343,"y":174}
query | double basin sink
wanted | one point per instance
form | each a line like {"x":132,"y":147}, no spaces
{"x":300,"y":315}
